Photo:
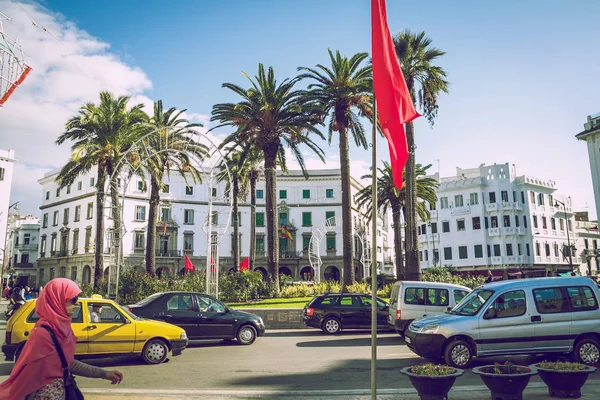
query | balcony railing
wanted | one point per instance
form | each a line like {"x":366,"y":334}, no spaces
{"x":61,"y":253}
{"x":433,"y":214}
{"x":290,"y":254}
{"x":494,"y":231}
{"x":168,"y":253}
{"x":29,"y":246}
{"x":491,"y":207}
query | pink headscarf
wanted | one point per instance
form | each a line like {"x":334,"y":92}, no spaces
{"x":39,"y":363}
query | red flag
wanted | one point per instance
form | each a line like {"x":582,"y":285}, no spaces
{"x":188,"y":264}
{"x":164,"y":228}
{"x":394,"y":104}
{"x":285,"y":232}
{"x":244,"y":265}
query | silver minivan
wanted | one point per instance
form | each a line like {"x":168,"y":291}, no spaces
{"x":411,"y":300}
{"x":524,"y":316}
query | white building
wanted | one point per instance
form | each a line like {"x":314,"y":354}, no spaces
{"x":22,"y":248}
{"x":588,"y":239}
{"x":490,"y":218}
{"x":68,"y":225}
{"x":7,"y":160}
{"x":591,"y":134}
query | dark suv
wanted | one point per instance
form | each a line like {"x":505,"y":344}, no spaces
{"x":336,"y":311}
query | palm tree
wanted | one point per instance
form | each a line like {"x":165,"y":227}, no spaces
{"x":425,"y":82}
{"x":271,"y":115}
{"x":182,"y":153}
{"x":344,"y":91}
{"x":388,"y":196}
{"x":101,"y":134}
{"x":255,"y":169}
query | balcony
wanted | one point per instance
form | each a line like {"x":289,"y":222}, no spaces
{"x":433,"y":214}
{"x":538,"y":259}
{"x":460,"y":210}
{"x":62,"y":253}
{"x":435,"y":237}
{"x":23,"y":265}
{"x":511,"y":231}
{"x":519,"y":231}
{"x":290,"y":254}
{"x":26,"y":247}
{"x":496,"y":260}
{"x":491,"y":207}
{"x":168,"y":253}
{"x":512,"y":259}
{"x":494,"y":231}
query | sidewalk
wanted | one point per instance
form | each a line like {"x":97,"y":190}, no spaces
{"x":534,"y":391}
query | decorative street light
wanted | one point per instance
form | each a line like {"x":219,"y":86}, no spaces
{"x":556,"y":203}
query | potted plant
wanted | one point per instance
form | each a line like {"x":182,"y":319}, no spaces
{"x":433,"y":382}
{"x":563,"y":378}
{"x":506,"y":381}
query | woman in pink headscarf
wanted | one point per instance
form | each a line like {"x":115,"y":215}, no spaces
{"x":38,"y":372}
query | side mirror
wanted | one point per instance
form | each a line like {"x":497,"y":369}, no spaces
{"x":449,"y":309}
{"x":490,"y":313}
{"x":127,"y":321}
{"x":227,"y":309}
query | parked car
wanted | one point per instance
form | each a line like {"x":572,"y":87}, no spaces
{"x":202,"y":316}
{"x":334,"y":312}
{"x":410,"y":300}
{"x":102,"y":328}
{"x":523,"y":316}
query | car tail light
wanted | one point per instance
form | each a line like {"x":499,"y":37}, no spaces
{"x":398,"y":314}
{"x":310,"y":312}
{"x":7,"y":337}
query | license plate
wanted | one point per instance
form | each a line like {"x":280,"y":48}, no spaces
{"x":407,"y":339}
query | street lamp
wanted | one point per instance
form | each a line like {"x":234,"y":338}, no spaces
{"x":556,"y":203}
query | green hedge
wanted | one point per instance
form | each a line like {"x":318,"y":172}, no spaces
{"x":449,"y":275}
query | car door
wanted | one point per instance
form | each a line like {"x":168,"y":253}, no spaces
{"x":437,"y":300}
{"x":113,"y":332}
{"x":584,"y":310}
{"x":552,"y":319}
{"x":180,"y":309}
{"x":352,"y":312}
{"x":413,"y":303}
{"x":80,"y":329}
{"x":505,"y":326}
{"x":382,"y":310}
{"x":215,"y":319}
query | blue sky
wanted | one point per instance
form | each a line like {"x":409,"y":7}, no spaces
{"x":523,"y":75}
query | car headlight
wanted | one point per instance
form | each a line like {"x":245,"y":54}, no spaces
{"x":183,"y":336}
{"x":260,"y":321}
{"x":429,"y":329}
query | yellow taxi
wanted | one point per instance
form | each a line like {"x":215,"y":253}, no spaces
{"x":103,"y":329}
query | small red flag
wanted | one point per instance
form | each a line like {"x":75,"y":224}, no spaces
{"x":165,"y":228}
{"x":394,"y":104}
{"x":244,"y":265}
{"x":188,"y":264}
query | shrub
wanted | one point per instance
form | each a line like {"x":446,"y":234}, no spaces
{"x":301,"y":290}
{"x":430,"y":369}
{"x":359,"y":287}
{"x":448,"y":275}
{"x":386,"y":292}
{"x":241,"y":286}
{"x":327,"y":287}
{"x":562,"y":365}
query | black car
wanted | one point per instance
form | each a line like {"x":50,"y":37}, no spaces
{"x":202,"y":316}
{"x":333,"y":312}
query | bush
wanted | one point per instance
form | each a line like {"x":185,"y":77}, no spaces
{"x":386,"y":292}
{"x":327,"y":287}
{"x":301,"y":290}
{"x":359,"y":287}
{"x":241,"y":286}
{"x":448,"y":275}
{"x":430,"y":369}
{"x":562,"y":365}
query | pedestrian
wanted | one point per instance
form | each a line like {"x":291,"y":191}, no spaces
{"x":490,"y":277}
{"x":38,"y":372}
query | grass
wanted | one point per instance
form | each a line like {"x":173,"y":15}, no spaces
{"x":294,"y":302}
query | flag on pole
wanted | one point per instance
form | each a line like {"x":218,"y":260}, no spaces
{"x":188,"y":264}
{"x":394,"y":103}
{"x":164,"y":228}
{"x":244,"y":265}
{"x":285,"y":232}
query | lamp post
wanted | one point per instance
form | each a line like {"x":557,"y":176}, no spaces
{"x":14,"y":205}
{"x":556,"y":203}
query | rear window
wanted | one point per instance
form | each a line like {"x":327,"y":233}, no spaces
{"x":77,"y":316}
{"x":414,"y":296}
{"x":148,"y":299}
{"x":437,"y":297}
{"x":582,"y":298}
{"x":550,"y":301}
{"x":326,"y":301}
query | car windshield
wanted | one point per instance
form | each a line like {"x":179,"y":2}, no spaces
{"x":471,"y":304}
{"x":148,"y":299}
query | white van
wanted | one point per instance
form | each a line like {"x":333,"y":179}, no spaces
{"x":411,"y":300}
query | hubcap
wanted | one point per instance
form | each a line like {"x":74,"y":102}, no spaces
{"x":589,"y":353}
{"x":246,"y":334}
{"x":155,"y":352}
{"x":331,"y":326}
{"x":460,"y":355}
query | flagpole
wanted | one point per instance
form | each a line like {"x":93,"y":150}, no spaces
{"x":374,"y":256}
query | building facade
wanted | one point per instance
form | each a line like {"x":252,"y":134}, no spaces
{"x":22,"y":248}
{"x":67,"y":233}
{"x":587,"y":242}
{"x":591,"y":134}
{"x":7,"y":161}
{"x":490,"y":218}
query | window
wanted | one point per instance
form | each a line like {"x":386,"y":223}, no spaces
{"x":537,"y":249}
{"x":140,"y":213}
{"x":88,"y":239}
{"x":532,"y":197}
{"x":509,"y":249}
{"x":26,"y":239}
{"x":66,"y":216}
{"x":436,"y":256}
{"x":462,"y":252}
{"x":514,"y":196}
{"x":506,"y":221}
{"x":24,"y":258}
{"x":92,"y":182}
{"x":473,"y":198}
{"x":43,"y":246}
{"x":582,"y":298}
{"x":423,"y":229}
{"x":496,"y":250}
{"x":214,"y":218}
{"x":494,"y":221}
{"x":414,"y":296}
{"x":53,"y":243}
{"x":306,"y":219}
{"x":504,"y":195}
{"x":188,"y":242}
{"x":239,"y":219}
{"x":331,"y":243}
{"x":165,"y":214}
{"x":306,"y":194}
{"x":569,"y":226}
{"x":561,"y":224}
{"x":478,"y":251}
{"x":517,"y":221}
{"x":541,"y":199}
{"x":458,"y":200}
{"x":443,"y":202}
{"x":586,"y":244}
{"x":1,"y":174}
{"x":437,"y":297}
{"x":329,"y":193}
{"x":489,"y":250}
{"x":447,"y":253}
{"x":535,"y":221}
{"x":283,"y":218}
{"x":79,"y":185}
{"x":330,"y":214}
{"x":547,"y":249}
{"x":476,"y":223}
{"x":260,"y":194}
{"x":492,"y":197}
{"x":213,"y":192}
{"x":434,"y":227}
{"x":550,"y":301}
{"x":510,"y":304}
{"x":260,"y":244}
{"x":527,"y":250}
{"x":260,"y":219}
{"x":525,"y":221}
{"x":305,"y":243}
{"x":77,"y":213}
{"x":551,"y":200}
{"x":553,"y":223}
{"x":57,"y":192}
{"x":544,"y":223}
{"x":485,"y":220}
{"x":140,"y":240}
{"x":460,"y":224}
{"x":55,"y":218}
{"x":69,"y":192}
{"x":48,"y":195}
{"x":166,"y":188}
{"x":555,"y":249}
{"x":74,"y":273}
{"x":45,"y":221}
{"x":90,"y":210}
{"x":283,"y":194}
{"x":519,"y":249}
{"x":522,"y":197}
{"x":188,"y":216}
{"x":445,"y":226}
{"x":189,"y":190}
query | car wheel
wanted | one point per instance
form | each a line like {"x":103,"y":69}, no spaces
{"x":246,"y":335}
{"x":458,"y":354}
{"x":155,"y":351}
{"x":587,"y":351}
{"x":332,"y":326}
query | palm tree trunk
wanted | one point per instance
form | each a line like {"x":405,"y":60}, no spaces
{"x":349,"y":276}
{"x":236,"y":227}
{"x":252,"y":254}
{"x":99,"y":247}
{"x":270,"y":154}
{"x":397,"y":228}
{"x":413,"y":270}
{"x":151,"y":232}
{"x":116,"y":217}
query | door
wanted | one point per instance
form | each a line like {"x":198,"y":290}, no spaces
{"x":112,"y":333}
{"x":382,"y":311}
{"x":181,"y":310}
{"x":552,"y":319}
{"x":352,"y":312}
{"x":413,"y":303}
{"x":505,"y":326}
{"x":80,"y":330}
{"x":437,"y":301}
{"x":215,"y":321}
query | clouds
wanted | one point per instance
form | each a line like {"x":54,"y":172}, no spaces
{"x":70,"y":67}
